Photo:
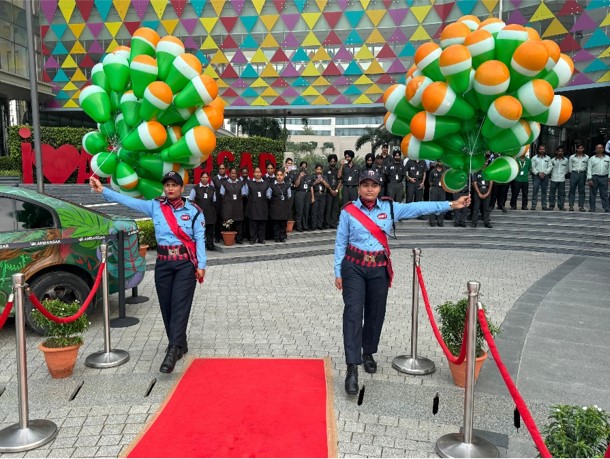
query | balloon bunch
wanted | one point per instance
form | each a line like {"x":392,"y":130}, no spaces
{"x":156,"y":112}
{"x":487,"y":87}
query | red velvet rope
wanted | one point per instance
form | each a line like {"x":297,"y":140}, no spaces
{"x":83,"y":308}
{"x":5,"y":313}
{"x":453,"y":359}
{"x":607,"y":452}
{"x":521,"y":406}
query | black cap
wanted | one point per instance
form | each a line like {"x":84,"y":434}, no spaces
{"x":349,"y":153}
{"x":384,"y":144}
{"x":175,"y":176}
{"x":396,"y":151}
{"x":370,"y":174}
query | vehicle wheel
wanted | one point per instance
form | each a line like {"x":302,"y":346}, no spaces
{"x":65,"y":286}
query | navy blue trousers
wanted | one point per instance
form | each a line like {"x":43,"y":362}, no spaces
{"x":365,"y":293}
{"x":175,"y":282}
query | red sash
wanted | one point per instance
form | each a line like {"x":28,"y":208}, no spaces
{"x":375,"y":230}
{"x":190,"y":245}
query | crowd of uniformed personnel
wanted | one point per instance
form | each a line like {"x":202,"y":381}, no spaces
{"x":258,"y":207}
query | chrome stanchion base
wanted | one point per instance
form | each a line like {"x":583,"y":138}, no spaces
{"x":452,"y":445}
{"x":102,"y":359}
{"x":39,"y":432}
{"x":413,"y":366}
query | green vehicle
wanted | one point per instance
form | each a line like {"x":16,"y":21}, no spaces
{"x":56,"y":245}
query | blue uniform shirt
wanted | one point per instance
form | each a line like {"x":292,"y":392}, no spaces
{"x":351,"y":231}
{"x":163,"y":233}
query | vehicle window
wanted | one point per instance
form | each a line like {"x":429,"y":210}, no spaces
{"x":19,"y":216}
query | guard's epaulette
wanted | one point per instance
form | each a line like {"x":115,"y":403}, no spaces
{"x":386,"y":198}
{"x":196,"y":206}
{"x":160,"y":198}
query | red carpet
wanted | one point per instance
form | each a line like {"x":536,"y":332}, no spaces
{"x":245,"y":408}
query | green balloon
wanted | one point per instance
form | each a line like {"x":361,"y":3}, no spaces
{"x":475,"y":162}
{"x":108,"y":128}
{"x":453,"y":159}
{"x":454,"y":180}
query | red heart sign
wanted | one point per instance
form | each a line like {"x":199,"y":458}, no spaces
{"x":59,"y":163}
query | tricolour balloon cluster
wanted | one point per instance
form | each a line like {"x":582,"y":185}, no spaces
{"x":156,"y":112}
{"x":488,"y":86}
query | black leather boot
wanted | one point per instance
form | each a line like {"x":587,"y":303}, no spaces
{"x":174,"y":353}
{"x":369,"y":364}
{"x":351,"y":380}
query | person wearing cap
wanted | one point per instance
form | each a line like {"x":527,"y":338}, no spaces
{"x":378,"y":166}
{"x":181,"y":259}
{"x":204,"y":195}
{"x":331,"y":216}
{"x":363,"y":268}
{"x":348,"y":174}
{"x":394,"y":174}
{"x":482,"y":196}
{"x":385,"y":155}
{"x":218,"y":180}
{"x":437,"y":192}
{"x":416,"y":176}
{"x":302,"y":198}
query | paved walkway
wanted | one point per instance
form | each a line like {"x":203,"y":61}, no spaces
{"x":289,"y":308}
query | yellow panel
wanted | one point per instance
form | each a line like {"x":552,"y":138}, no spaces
{"x":321,"y":55}
{"x":310,"y":70}
{"x":259,"y":57}
{"x":321,"y":81}
{"x":219,"y":58}
{"x":375,"y":68}
{"x":221,"y":84}
{"x":169,"y":25}
{"x":420,"y":12}
{"x":365,"y":3}
{"x":490,"y":4}
{"x":70,"y":87}
{"x":270,"y":92}
{"x":159,"y":7}
{"x":321,"y":4}
{"x":208,"y":23}
{"x":121,"y":7}
{"x":311,"y":40}
{"x":270,"y":42}
{"x":71,"y":104}
{"x":363,"y":79}
{"x":364,"y":53}
{"x":311,"y":19}
{"x":375,"y":37}
{"x":554,"y":28}
{"x":218,"y":5}
{"x":78,"y":48}
{"x":321,"y":100}
{"x":420,"y":34}
{"x":605,"y":22}
{"x":605,"y":53}
{"x":112,"y":46}
{"x":258,"y":5}
{"x":113,"y":27}
{"x":259,"y":101}
{"x":310,"y":91}
{"x":605,"y":78}
{"x":374,"y":89}
{"x":363,"y":99}
{"x":209,"y":71}
{"x":209,"y":43}
{"x":375,"y":16}
{"x":77,"y":29}
{"x":259,"y":83}
{"x":542,"y":13}
{"x":78,"y":76}
{"x":269,"y":71}
{"x":269,"y":20}
{"x":66,"y":7}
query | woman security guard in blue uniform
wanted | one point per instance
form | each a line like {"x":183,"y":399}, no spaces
{"x":363,"y":268}
{"x":178,"y":267}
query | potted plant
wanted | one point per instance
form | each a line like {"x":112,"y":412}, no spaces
{"x":228,"y":236}
{"x":452,"y":318}
{"x":576,"y":431}
{"x":63,"y":340}
{"x":289,"y":226}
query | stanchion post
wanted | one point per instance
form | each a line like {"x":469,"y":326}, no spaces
{"x":122,"y":321}
{"x":107,"y":358}
{"x":26,"y":434}
{"x":466,"y":444}
{"x":412,"y":364}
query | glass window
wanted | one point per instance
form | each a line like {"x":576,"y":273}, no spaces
{"x":6,"y":11}
{"x":21,"y":61}
{"x":18,"y":216}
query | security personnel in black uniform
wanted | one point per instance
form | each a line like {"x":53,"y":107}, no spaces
{"x":319,"y":188}
{"x":331,"y":214}
{"x":481,"y":199}
{"x":204,"y":195}
{"x":258,"y":207}
{"x":394,"y":174}
{"x":437,"y":193}
{"x":349,"y":174}
{"x":218,"y":180}
{"x":279,"y":195}
{"x":232,"y":192}
{"x":244,"y":177}
{"x":302,"y":198}
{"x":459,"y":215}
{"x":416,"y":174}
{"x":378,"y":166}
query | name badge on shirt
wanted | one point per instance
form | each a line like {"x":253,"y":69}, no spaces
{"x":382,"y":216}
{"x":205,"y":196}
{"x":417,"y":173}
{"x":282,"y":198}
{"x":305,"y":186}
{"x":397,"y":177}
{"x":521,"y":173}
{"x":185,"y":217}
{"x":349,"y":179}
{"x":258,"y":193}
{"x":234,"y":197}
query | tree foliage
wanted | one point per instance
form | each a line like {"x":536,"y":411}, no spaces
{"x":262,"y":127}
{"x":376,"y":136}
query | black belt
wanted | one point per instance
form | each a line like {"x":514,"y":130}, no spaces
{"x":171,"y":250}
{"x":360,"y":256}
{"x":602,"y":176}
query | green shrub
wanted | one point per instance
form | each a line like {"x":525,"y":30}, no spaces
{"x":11,"y":163}
{"x":61,"y":335}
{"x":147,"y":233}
{"x":10,"y":173}
{"x":576,"y":431}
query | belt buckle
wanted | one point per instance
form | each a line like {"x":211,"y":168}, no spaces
{"x":173,"y":252}
{"x":369,"y":258}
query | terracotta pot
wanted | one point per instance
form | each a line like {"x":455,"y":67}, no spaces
{"x":143,"y":249}
{"x":228,"y":237}
{"x":459,"y":371}
{"x":289,"y":226}
{"x":60,"y":360}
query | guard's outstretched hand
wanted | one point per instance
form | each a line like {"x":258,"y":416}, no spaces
{"x":461,"y":202}
{"x":95,"y":184}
